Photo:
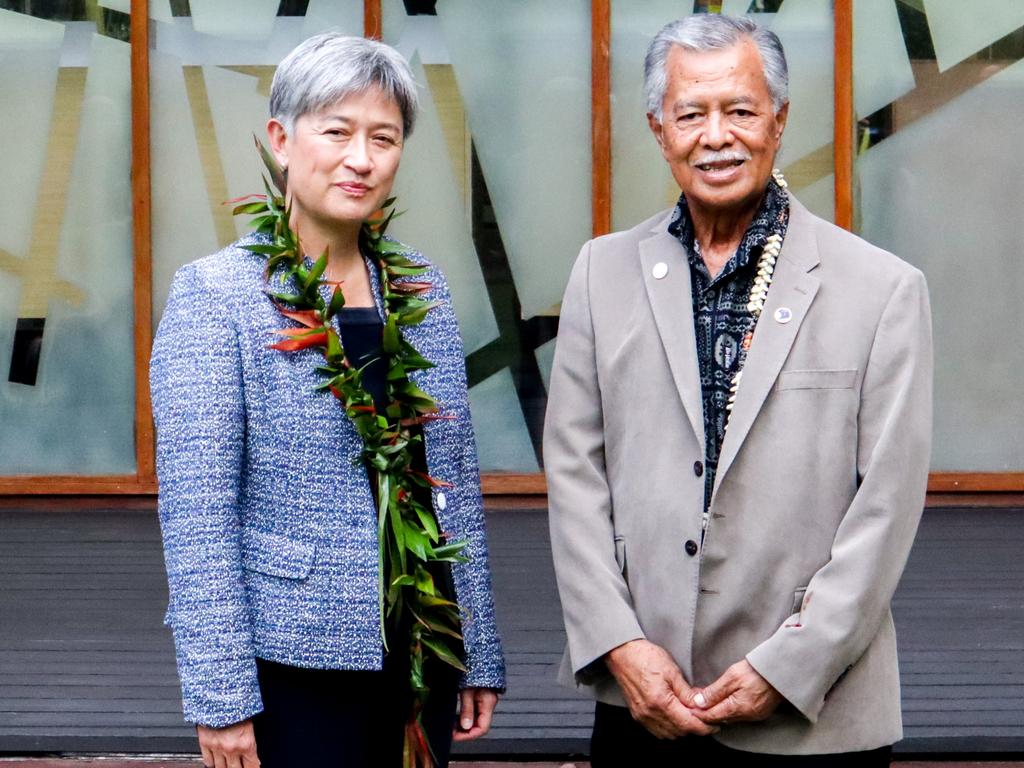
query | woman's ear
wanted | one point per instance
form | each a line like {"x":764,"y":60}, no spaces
{"x":278,"y":141}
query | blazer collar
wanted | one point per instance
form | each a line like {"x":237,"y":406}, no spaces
{"x":671,"y":301}
{"x":672,"y":305}
{"x":793,"y":288}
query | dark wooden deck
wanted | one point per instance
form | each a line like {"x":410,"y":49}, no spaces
{"x":87,"y":667}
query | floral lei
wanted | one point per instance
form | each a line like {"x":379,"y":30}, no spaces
{"x":408,"y":534}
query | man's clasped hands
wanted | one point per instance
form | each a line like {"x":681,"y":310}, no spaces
{"x":664,"y":703}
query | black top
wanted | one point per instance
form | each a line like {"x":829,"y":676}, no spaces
{"x":361,"y":335}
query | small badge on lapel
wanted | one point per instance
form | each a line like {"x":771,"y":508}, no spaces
{"x":660,"y":270}
{"x":783,"y":315}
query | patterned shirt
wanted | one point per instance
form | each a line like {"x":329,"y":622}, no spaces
{"x":720,"y":316}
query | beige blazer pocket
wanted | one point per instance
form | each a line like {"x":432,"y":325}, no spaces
{"x":798,"y":600}
{"x":819,"y":379}
{"x":620,"y":553}
{"x":276,"y":555}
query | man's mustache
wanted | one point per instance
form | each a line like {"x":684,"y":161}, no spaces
{"x":730,"y":156}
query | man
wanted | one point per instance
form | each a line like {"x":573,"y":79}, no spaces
{"x":737,"y":444}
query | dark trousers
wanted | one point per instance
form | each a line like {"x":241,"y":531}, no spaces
{"x":619,"y":741}
{"x":346,"y":719}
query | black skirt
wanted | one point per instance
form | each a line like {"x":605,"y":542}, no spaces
{"x":348,"y":719}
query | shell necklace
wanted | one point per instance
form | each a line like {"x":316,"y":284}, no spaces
{"x":755,"y":304}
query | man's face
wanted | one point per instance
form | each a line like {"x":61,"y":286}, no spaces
{"x":719,"y":131}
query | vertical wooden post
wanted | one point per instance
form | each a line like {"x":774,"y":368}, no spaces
{"x":373,"y":21}
{"x":142,"y":251}
{"x":601,"y":115}
{"x":844,"y":115}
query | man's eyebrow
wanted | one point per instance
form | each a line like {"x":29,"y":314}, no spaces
{"x":687,"y":104}
{"x":683,"y":104}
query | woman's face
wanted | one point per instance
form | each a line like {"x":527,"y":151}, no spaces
{"x":341,"y":160}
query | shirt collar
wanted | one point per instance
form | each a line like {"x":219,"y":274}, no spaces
{"x":772,"y":216}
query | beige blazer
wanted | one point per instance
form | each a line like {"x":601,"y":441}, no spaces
{"x":820,"y":483}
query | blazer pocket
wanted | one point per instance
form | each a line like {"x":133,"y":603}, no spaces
{"x":820,"y":379}
{"x":276,"y":555}
{"x":620,"y":553}
{"x":798,"y":600}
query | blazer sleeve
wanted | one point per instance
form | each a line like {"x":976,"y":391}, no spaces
{"x":848,"y":598}
{"x":198,"y":407}
{"x":485,"y":662}
{"x":596,"y":603}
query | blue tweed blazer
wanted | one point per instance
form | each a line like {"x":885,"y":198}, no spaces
{"x":269,"y":525}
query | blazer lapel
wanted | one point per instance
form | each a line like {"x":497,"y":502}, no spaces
{"x":672,"y":303}
{"x":793,"y":289}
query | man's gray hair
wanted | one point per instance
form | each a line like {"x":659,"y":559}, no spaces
{"x":711,"y":32}
{"x":330,"y":66}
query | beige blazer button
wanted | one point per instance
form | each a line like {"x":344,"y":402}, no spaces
{"x":660,"y":270}
{"x":441,"y":500}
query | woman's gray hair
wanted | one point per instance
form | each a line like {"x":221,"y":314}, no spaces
{"x":330,"y":66}
{"x":711,"y":32}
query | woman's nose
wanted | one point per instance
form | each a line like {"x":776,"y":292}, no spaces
{"x":357,"y":156}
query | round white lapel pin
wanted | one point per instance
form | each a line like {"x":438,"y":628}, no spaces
{"x":660,"y":270}
{"x":783,"y":315}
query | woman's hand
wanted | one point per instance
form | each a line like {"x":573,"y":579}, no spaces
{"x":233,"y":746}
{"x":476,"y":706}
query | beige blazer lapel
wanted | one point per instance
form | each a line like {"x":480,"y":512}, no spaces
{"x":793,"y":289}
{"x":672,"y":304}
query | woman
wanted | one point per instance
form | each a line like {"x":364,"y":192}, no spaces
{"x":269,"y":515}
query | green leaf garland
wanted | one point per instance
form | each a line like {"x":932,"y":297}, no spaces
{"x":409,"y":539}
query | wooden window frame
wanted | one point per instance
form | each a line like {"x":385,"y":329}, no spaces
{"x":143,"y":482}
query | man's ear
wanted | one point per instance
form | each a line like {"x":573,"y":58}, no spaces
{"x":780,"y":118}
{"x":656,"y":128}
{"x":278,"y":141}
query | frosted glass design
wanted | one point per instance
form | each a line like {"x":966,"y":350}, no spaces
{"x":960,"y":28}
{"x":545,"y":359}
{"x":820,"y":197}
{"x":641,"y":182}
{"x":322,"y":15}
{"x":158,"y":9}
{"x":239,"y":112}
{"x":179,"y":189}
{"x":503,"y":442}
{"x":78,"y":418}
{"x":735,"y":7}
{"x":29,"y":61}
{"x":436,"y":222}
{"x":526,"y":86}
{"x":234,"y":19}
{"x":935,"y":193}
{"x":805,"y":28}
{"x":415,"y":35}
{"x":394,"y":21}
{"x":882,"y":70}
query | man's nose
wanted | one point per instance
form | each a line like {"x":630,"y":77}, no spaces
{"x":717,"y":132}
{"x":357,"y":155}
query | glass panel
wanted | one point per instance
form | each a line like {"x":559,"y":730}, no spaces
{"x":503,"y":441}
{"x":66,"y":335}
{"x":960,"y":29}
{"x":932,"y":174}
{"x":507,"y":204}
{"x":526,"y":87}
{"x":641,"y":182}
